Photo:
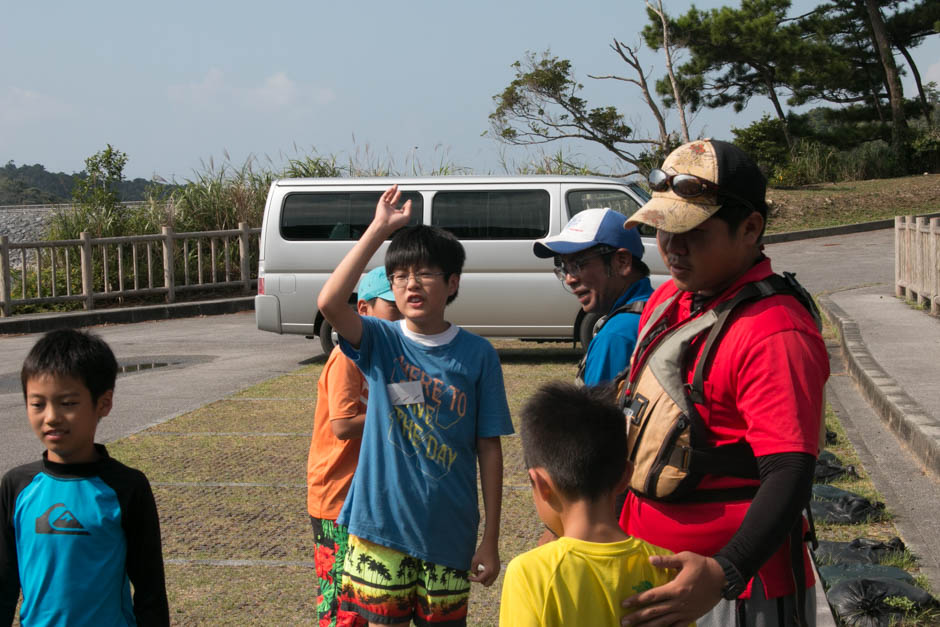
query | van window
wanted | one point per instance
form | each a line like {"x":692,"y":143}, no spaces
{"x":581,"y":199}
{"x":520,"y":214}
{"x":336,"y":215}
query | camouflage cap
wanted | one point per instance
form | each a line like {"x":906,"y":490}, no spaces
{"x":735,"y":173}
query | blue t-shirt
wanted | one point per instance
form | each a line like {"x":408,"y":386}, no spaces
{"x":415,"y":489}
{"x":609,"y":352}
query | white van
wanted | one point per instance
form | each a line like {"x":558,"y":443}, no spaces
{"x":505,"y":290}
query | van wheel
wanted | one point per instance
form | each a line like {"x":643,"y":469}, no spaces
{"x":586,"y":329}
{"x":326,"y":338}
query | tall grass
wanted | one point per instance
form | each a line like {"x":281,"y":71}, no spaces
{"x":813,"y":162}
{"x":364,"y":161}
{"x":221,"y":196}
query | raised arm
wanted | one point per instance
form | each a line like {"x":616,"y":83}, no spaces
{"x":334,"y":297}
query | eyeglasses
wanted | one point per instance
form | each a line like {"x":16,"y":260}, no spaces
{"x":685,"y":185}
{"x":400,"y":279}
{"x":574,"y":267}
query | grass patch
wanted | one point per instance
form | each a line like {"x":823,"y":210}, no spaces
{"x":905,"y":560}
{"x":292,"y":386}
{"x":223,"y":523}
{"x":520,"y":526}
{"x":514,"y":471}
{"x":851,"y":202}
{"x":519,"y":531}
{"x":881,"y":529}
{"x":274,"y":459}
{"x":220,"y":595}
{"x":527,"y":365}
{"x":258,"y":416}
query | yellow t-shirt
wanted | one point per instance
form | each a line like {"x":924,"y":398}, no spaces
{"x":575,"y":582}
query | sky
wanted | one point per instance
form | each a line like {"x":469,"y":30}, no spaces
{"x":179,"y":85}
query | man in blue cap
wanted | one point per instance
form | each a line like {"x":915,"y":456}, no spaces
{"x":600,"y":262}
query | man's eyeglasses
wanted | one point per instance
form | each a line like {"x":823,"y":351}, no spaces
{"x":400,"y":279}
{"x":685,"y":185}
{"x":574,"y":267}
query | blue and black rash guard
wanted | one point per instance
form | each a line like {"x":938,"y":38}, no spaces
{"x":75,"y":537}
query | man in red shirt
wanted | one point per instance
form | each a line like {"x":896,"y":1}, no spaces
{"x":763,"y":386}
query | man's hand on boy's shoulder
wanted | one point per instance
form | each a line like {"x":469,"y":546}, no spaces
{"x":388,"y":213}
{"x":695,"y":590}
{"x":486,"y":557}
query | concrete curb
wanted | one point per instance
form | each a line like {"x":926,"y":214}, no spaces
{"x":40,"y":323}
{"x":908,"y":420}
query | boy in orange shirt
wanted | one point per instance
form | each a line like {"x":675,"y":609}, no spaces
{"x":334,"y":451}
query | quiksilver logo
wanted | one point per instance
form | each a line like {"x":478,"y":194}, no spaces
{"x":64,"y":522}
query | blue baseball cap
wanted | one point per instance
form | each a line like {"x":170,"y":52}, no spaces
{"x":374,"y":284}
{"x":590,"y":228}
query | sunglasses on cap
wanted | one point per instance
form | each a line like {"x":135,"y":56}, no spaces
{"x":690,"y":186}
{"x":685,"y":185}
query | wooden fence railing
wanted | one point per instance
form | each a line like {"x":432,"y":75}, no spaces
{"x":91,"y":269}
{"x":917,"y":261}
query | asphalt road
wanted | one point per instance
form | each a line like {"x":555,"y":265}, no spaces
{"x":207,"y":359}
{"x":831,"y":264}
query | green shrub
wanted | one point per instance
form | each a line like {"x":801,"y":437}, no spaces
{"x":73,"y":278}
{"x":808,"y":162}
{"x":925,"y":147}
{"x":813,"y":162}
{"x":872,"y":160}
{"x":766,"y":142}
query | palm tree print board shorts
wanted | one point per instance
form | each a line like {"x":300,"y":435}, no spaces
{"x":329,"y":542}
{"x":387,"y":586}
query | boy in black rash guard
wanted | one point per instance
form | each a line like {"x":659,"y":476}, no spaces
{"x":78,"y":527}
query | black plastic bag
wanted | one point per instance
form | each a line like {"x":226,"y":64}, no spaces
{"x":829,"y":467}
{"x":862,"y":602}
{"x":858,"y":551}
{"x":824,"y":492}
{"x":833,"y":505}
{"x":834,"y":574}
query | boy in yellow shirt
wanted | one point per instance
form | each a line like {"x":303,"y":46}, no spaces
{"x":575,"y":445}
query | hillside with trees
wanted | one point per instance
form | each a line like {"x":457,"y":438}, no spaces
{"x":33,"y":184}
